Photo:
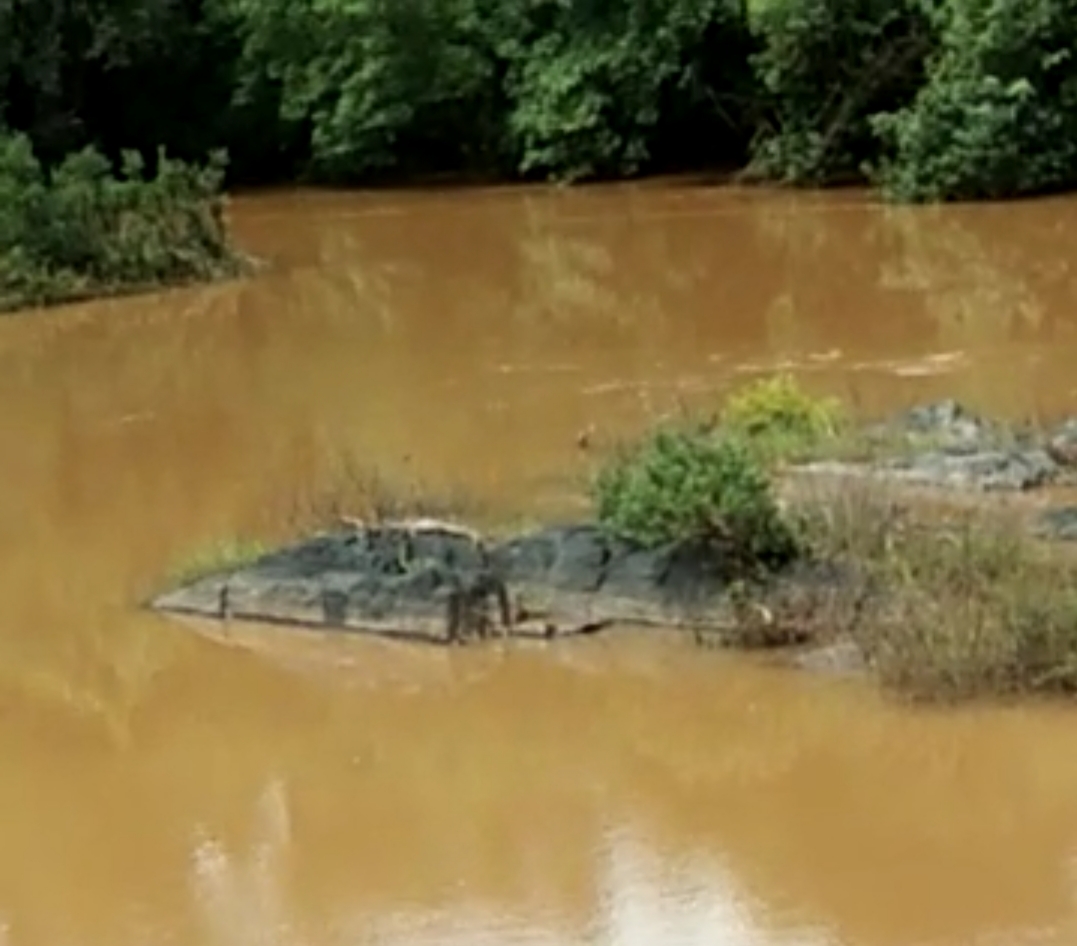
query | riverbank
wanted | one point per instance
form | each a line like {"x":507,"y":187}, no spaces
{"x":925,"y":550}
{"x":81,"y":231}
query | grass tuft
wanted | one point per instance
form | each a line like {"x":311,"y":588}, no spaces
{"x":220,"y":556}
{"x":958,"y":603}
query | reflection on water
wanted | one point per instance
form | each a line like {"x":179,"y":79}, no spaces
{"x":692,"y":902}
{"x":244,"y":903}
{"x":678,"y":282}
{"x":642,"y":899}
{"x":597,"y":793}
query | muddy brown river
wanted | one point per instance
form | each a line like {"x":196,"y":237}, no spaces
{"x":158,"y":787}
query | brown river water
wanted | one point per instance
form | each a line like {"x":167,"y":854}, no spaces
{"x":158,"y":787}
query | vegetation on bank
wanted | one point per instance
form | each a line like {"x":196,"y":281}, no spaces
{"x":217,"y":557}
{"x":779,"y":422}
{"x":928,"y":99}
{"x":80,"y":230}
{"x":951,"y":604}
{"x":942,"y":603}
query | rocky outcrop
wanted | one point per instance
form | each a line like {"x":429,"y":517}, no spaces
{"x":1062,"y":444}
{"x":438,"y":581}
{"x":1059,"y":524}
{"x":946,"y":446}
{"x":983,"y":470}
{"x":948,"y":424}
{"x":432,"y":580}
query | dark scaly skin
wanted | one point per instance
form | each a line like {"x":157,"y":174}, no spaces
{"x":466,"y":608}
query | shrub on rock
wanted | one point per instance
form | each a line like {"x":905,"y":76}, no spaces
{"x":780,"y":419}
{"x":685,"y":486}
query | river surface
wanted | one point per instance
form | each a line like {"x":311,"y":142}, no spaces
{"x":158,"y":787}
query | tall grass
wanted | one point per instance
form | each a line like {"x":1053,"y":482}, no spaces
{"x":959,"y":603}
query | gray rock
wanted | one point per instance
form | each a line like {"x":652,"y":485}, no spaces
{"x":986,"y":470}
{"x":1062,"y":443}
{"x":1058,"y":524}
{"x":587,"y":559}
{"x":960,"y":450}
{"x":579,"y":559}
{"x":948,"y":423}
{"x":632,"y":572}
{"x":402,"y":580}
{"x":982,"y":470}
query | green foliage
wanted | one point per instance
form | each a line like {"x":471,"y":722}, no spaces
{"x":997,"y":116}
{"x":684,"y":486}
{"x":116,"y":74}
{"x":781,"y":420}
{"x":934,"y":99}
{"x":81,"y":230}
{"x":379,"y":81}
{"x":587,"y":95}
{"x":826,"y":67}
{"x":567,"y":89}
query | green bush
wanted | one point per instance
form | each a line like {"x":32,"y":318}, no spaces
{"x":562,"y":89}
{"x":781,"y":420}
{"x":588,"y":96}
{"x":383,"y":84}
{"x":932,"y":99}
{"x":825,"y":68}
{"x":997,"y":116}
{"x":685,"y":486}
{"x":81,"y":230}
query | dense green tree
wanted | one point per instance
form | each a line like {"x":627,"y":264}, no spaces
{"x":589,"y":95}
{"x":79,"y":229}
{"x":997,"y":116}
{"x":566,"y":88}
{"x":935,"y":99}
{"x":382,"y":84}
{"x":78,"y":70}
{"x":132,"y":74}
{"x":826,"y":67}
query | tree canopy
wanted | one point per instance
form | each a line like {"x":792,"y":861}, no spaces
{"x":929,"y":99}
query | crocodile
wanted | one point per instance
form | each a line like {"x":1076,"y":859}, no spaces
{"x":432,"y":580}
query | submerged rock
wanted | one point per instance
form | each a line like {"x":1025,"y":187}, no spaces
{"x":1059,"y":524}
{"x":987,"y":470}
{"x":949,"y":424}
{"x":437,"y":581}
{"x":1062,"y":443}
{"x":952,"y":448}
